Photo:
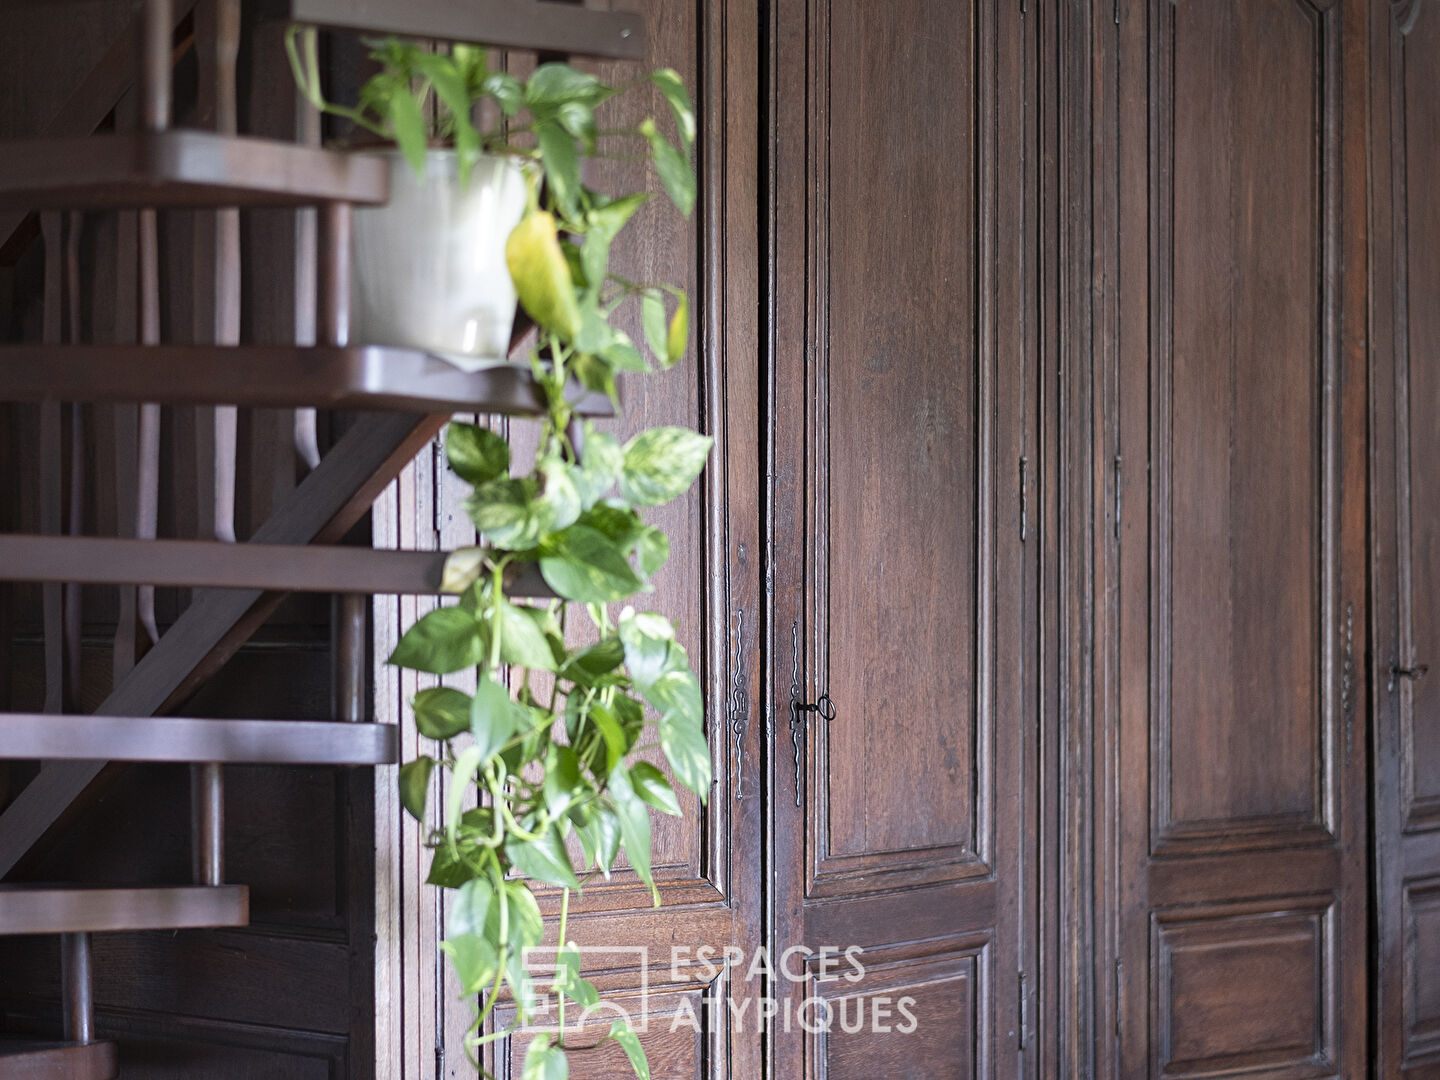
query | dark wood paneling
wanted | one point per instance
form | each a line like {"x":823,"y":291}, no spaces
{"x":1242,"y":412}
{"x":901,"y":1014}
{"x":1405,"y":523}
{"x":1239,"y":611}
{"x":1245,"y":989}
{"x":896,"y":426}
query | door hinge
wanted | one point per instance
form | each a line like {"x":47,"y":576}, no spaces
{"x":1024,"y":1010}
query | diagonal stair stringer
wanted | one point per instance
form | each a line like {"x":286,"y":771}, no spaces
{"x":327,"y":503}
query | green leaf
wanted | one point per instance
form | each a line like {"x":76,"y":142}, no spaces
{"x":471,"y":907}
{"x":522,"y":642}
{"x":477,"y":454}
{"x":679,"y":333}
{"x":675,"y":174}
{"x":474,"y":961}
{"x":494,"y":718}
{"x":650,"y":784}
{"x":544,"y":859}
{"x":444,"y":74}
{"x":577,"y":119}
{"x":630,"y":1043}
{"x":634,"y":820}
{"x":559,"y":501}
{"x":661,"y":464}
{"x":602,"y":225}
{"x":562,"y":166}
{"x":444,"y":640}
{"x":600,"y":466}
{"x":415,"y":786}
{"x":673,"y":87}
{"x":442,"y":712}
{"x":542,"y":276}
{"x":617,"y":745}
{"x":647,"y":638}
{"x":619,"y":524}
{"x":623,"y":355}
{"x":408,"y":122}
{"x":506,"y":90}
{"x":508,"y":513}
{"x":685,"y":749}
{"x":527,"y":927}
{"x":601,"y":839}
{"x":448,"y":870}
{"x":552,"y":85}
{"x":652,"y":317}
{"x":588,"y":666}
{"x":467,"y":764}
{"x":652,"y":549}
{"x":545,"y":1062}
{"x":582,"y":564}
{"x":562,"y":780}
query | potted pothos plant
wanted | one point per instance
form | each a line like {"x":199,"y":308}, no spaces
{"x":552,"y":743}
{"x":429,"y":268}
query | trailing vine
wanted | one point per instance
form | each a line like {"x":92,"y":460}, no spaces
{"x":550,"y":745}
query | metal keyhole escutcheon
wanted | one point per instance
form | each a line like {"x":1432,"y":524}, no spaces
{"x":799,"y":713}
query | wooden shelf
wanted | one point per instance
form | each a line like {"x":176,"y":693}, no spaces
{"x":63,"y":909}
{"x":23,"y":1059}
{"x":181,"y":169}
{"x":273,"y":376}
{"x":511,"y":24}
{"x":51,"y":737}
{"x":268,"y":567}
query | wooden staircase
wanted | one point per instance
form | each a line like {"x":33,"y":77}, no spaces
{"x":407,"y":396}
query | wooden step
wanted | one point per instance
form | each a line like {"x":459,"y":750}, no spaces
{"x":52,"y":737}
{"x":512,"y":24}
{"x":23,"y":1059}
{"x":274,"y":376}
{"x":205,"y":563}
{"x":62,"y":909}
{"x":181,"y":169}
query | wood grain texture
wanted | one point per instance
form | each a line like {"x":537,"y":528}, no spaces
{"x":1405,"y":529}
{"x":1238,"y":620}
{"x":891,"y":445}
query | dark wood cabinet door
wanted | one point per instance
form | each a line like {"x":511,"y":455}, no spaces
{"x":1240,"y":610}
{"x":898,"y":391}
{"x":1406,"y":525}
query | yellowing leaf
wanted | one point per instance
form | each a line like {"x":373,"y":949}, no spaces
{"x":542,"y":276}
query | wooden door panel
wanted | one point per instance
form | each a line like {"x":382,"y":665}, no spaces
{"x":1420,"y":702}
{"x":896,"y":823}
{"x":1245,"y":988}
{"x":1240,"y":592}
{"x":897,"y":396}
{"x":1240,"y":432}
{"x":904,"y":1013}
{"x":896,"y":392}
{"x":1406,"y":526}
{"x":1419,"y":963}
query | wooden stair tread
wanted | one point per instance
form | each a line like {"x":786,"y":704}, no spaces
{"x":512,"y":24}
{"x":319,"y":568}
{"x":49,"y":737}
{"x":61,"y":909}
{"x":26,"y":1059}
{"x":274,"y":376}
{"x":181,"y":168}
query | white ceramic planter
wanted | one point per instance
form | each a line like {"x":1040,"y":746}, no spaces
{"x":428,"y":268}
